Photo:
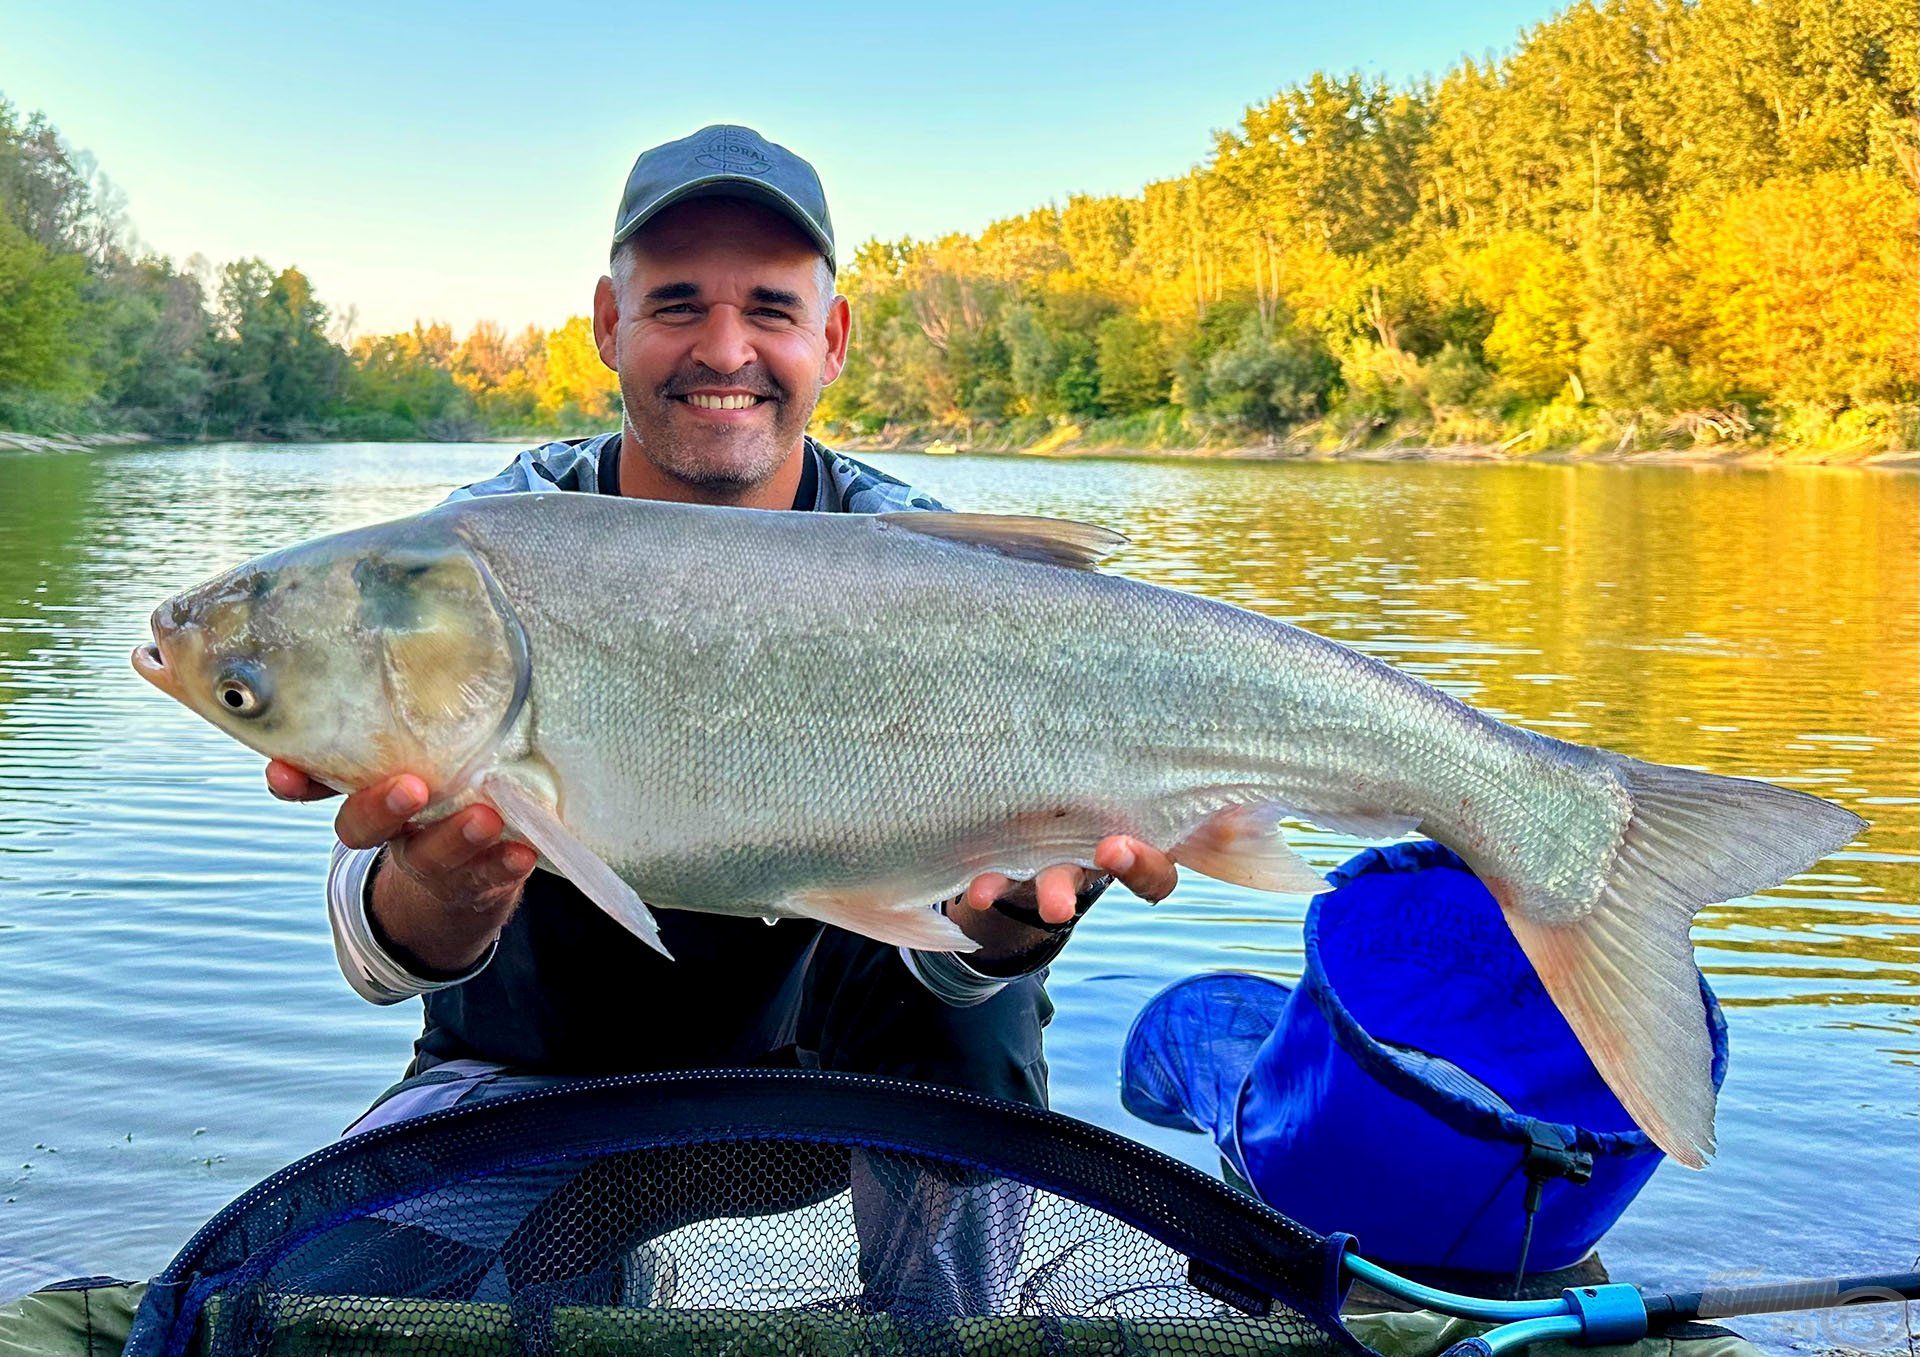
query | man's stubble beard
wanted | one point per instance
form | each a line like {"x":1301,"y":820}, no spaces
{"x":690,"y":461}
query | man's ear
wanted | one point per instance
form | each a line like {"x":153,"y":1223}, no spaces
{"x":839,"y":331}
{"x":606,"y":319}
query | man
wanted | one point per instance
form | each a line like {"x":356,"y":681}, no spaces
{"x":719,"y":315}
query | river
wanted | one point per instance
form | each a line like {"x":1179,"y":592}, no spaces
{"x":176,"y":1028}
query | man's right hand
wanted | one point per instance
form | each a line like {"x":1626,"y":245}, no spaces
{"x":442,"y":892}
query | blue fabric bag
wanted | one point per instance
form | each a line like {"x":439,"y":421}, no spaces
{"x":1395,"y":1091}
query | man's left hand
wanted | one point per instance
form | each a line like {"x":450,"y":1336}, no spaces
{"x":1146,"y":871}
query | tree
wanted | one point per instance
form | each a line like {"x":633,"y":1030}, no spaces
{"x":151,"y":327}
{"x":272,"y":370}
{"x":41,"y":308}
{"x":1264,"y":381}
{"x":1800,"y":289}
{"x":1133,"y":369}
{"x":1534,"y":285}
{"x":578,"y":391}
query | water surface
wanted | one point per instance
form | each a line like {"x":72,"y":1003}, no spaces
{"x":176,"y":1028}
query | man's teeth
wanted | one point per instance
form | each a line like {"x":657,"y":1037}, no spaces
{"x":722,"y":402}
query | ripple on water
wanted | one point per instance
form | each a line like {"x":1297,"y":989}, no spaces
{"x":166,"y":973}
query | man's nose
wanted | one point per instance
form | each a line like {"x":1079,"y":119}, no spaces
{"x":724,"y":343}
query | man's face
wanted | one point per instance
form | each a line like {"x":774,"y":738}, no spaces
{"x":721,"y":321}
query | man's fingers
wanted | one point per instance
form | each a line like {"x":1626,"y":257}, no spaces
{"x":986,"y":888}
{"x":1055,"y":892}
{"x":290,"y":784}
{"x":1141,"y":868}
{"x":508,"y":862}
{"x":448,"y":845}
{"x":375,"y":814}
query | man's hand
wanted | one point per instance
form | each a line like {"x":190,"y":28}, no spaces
{"x":442,"y":891}
{"x":1146,"y":871}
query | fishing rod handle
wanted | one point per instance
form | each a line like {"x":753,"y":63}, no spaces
{"x":1812,"y":1293}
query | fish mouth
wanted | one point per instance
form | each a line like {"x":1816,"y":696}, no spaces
{"x":150,"y":663}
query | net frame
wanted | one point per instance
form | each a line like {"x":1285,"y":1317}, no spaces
{"x":1240,"y":1251}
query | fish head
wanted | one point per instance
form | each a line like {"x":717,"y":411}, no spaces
{"x":353,"y":657}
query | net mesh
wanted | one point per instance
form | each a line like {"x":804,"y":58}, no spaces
{"x":745,"y":1213}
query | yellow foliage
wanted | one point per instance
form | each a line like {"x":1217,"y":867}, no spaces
{"x":1535,"y":340}
{"x":575,"y":379}
{"x":1803,"y":289}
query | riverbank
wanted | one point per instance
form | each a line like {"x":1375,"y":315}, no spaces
{"x":1704,"y":455}
{"x":67,"y":442}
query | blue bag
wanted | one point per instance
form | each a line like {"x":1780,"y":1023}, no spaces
{"x":1396,"y":1091}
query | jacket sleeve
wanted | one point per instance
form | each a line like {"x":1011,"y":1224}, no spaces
{"x":949,"y":977}
{"x":375,"y":974}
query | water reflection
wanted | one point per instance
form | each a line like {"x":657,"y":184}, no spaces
{"x":178,"y":1028}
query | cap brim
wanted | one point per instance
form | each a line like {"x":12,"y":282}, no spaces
{"x":731,"y":186}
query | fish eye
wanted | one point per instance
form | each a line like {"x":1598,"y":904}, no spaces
{"x":241,"y":693}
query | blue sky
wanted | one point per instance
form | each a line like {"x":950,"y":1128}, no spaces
{"x":460,"y":162}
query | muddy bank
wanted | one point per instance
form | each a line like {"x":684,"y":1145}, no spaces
{"x":1704,"y":456}
{"x":66,"y":442}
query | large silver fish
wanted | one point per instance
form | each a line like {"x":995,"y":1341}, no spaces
{"x":847,"y":718}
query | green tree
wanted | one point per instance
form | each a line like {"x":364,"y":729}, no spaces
{"x":151,"y":327}
{"x":272,"y":371}
{"x":1264,"y":381}
{"x":41,"y":308}
{"x":1133,"y":368}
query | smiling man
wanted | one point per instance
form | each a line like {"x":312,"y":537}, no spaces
{"x":720,"y":316}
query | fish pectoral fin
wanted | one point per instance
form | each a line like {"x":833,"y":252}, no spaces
{"x":534,"y":819}
{"x":881,"y":914}
{"x":1244,"y":845}
{"x":1056,"y":541}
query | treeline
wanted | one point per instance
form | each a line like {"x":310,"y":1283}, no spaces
{"x":1654,"y":223}
{"x":96,"y":333}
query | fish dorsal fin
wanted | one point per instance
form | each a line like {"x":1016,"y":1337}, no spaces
{"x":1056,"y":541}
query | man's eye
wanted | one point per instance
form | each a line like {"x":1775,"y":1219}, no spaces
{"x":770,"y":312}
{"x":679,"y":308}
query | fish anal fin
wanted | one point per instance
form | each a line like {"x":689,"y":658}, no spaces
{"x":533,"y":818}
{"x":1625,"y":980}
{"x":881,"y":914}
{"x":1056,"y":541}
{"x":1244,"y":845}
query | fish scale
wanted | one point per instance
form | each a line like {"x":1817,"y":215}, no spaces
{"x":915,"y":710}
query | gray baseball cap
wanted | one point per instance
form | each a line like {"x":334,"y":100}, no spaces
{"x":726,"y":162}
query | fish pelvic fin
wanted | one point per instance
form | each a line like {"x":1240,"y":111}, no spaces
{"x":1244,"y":845}
{"x":1624,"y":975}
{"x":882,"y":915}
{"x":534,"y":819}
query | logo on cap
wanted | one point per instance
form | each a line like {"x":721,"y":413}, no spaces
{"x":731,"y":153}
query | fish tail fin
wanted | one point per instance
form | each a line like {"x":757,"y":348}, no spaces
{"x":1624,"y":974}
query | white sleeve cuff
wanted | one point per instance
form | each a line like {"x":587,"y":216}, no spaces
{"x":369,"y":968}
{"x":950,"y":979}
